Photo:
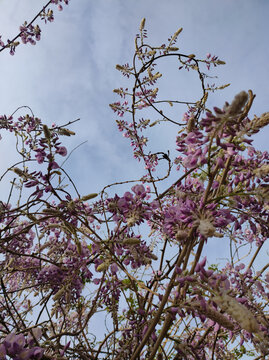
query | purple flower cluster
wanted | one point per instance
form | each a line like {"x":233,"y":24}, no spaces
{"x":191,"y":145}
{"x":131,"y":209}
{"x":19,"y":348}
{"x":30,"y":34}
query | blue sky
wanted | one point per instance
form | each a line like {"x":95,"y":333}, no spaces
{"x":71,"y":72}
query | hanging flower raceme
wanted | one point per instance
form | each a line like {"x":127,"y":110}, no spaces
{"x":131,"y":209}
{"x":238,"y":312}
{"x":18,"y":347}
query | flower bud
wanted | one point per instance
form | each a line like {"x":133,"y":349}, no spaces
{"x":181,"y":235}
{"x":47,"y":133}
{"x":142,"y":24}
{"x":66,"y":132}
{"x":176,"y":35}
{"x":238,"y":103}
{"x":259,"y":122}
{"x":206,"y":228}
{"x":104,"y":266}
{"x":262,"y":171}
{"x":238,"y":312}
{"x":213,"y":314}
{"x":119,"y":67}
{"x":88,"y":197}
{"x":173,"y":48}
{"x":131,"y":241}
{"x":262,"y":193}
{"x":153,"y":257}
{"x":156,"y":76}
{"x":18,"y":171}
{"x":59,"y":293}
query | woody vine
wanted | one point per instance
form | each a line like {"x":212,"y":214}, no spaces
{"x":138,"y":256}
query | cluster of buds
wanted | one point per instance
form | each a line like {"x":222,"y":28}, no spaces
{"x":240,"y":313}
{"x":258,"y":123}
{"x":212,"y":314}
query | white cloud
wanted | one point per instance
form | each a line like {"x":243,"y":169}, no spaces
{"x":71,"y":72}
